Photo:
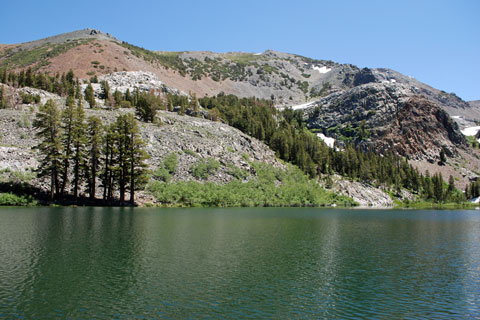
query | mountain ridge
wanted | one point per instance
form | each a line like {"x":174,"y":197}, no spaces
{"x":290,"y":78}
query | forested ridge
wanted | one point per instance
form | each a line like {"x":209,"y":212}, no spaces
{"x":286,"y":133}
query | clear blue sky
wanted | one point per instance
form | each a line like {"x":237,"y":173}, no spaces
{"x":437,"y":42}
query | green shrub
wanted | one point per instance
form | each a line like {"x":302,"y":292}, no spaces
{"x":24,"y":121}
{"x":29,"y":98}
{"x":162,"y":174}
{"x":125,"y":104}
{"x":167,"y":168}
{"x":204,"y":169}
{"x":10,"y":199}
{"x":190,"y":152}
{"x":237,"y":173}
{"x":170,"y":163}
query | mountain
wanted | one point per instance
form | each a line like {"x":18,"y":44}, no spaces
{"x":287,"y":78}
{"x":374,"y":108}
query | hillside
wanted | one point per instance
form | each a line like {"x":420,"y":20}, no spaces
{"x":373,"y":109}
{"x":192,"y":140}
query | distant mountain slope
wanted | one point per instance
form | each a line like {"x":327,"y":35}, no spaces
{"x":287,"y":78}
{"x":474,"y":104}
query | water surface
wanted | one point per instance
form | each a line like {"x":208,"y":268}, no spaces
{"x":122,"y":263}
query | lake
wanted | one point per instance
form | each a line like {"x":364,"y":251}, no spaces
{"x":142,"y":263}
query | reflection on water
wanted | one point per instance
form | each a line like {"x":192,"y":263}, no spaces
{"x":238,"y":263}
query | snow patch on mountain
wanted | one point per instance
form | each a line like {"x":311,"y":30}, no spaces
{"x":470,"y":131}
{"x":322,"y":69}
{"x":303,"y":106}
{"x":328,"y":141}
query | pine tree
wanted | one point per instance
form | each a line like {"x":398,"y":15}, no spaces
{"x":128,"y":96}
{"x":467,"y":192}
{"x":48,"y":123}
{"x":451,"y":185}
{"x":69,"y":78}
{"x":21,"y":79}
{"x":428,"y":187}
{"x":136,"y":158}
{"x":443,"y":157}
{"x":105,"y":92}
{"x":68,"y":115}
{"x":29,"y":78}
{"x":121,"y":167}
{"x":90,"y":96}
{"x":109,"y":161}
{"x":43,"y":82}
{"x":78,"y":92}
{"x":194,"y":104}
{"x":438,"y":187}
{"x":95,"y":133}
{"x":3,"y":76}
{"x":79,"y":141}
{"x":147,"y":107}
{"x":3,"y":99}
{"x":117,"y":97}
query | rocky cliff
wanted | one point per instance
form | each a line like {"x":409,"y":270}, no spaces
{"x":387,"y":117}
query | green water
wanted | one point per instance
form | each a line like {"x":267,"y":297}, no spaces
{"x":103,"y":263}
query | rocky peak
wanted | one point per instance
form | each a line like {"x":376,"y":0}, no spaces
{"x":68,"y":37}
{"x":363,"y":77}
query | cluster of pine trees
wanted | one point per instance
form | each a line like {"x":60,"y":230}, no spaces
{"x":472,"y":190}
{"x":62,"y":84}
{"x":76,"y":152}
{"x":67,"y":85}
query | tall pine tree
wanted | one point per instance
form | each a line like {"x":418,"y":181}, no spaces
{"x":90,"y":95}
{"x":79,"y":140}
{"x":48,"y":123}
{"x":95,"y":133}
{"x":68,"y":116}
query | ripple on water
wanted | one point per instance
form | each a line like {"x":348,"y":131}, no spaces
{"x":240,"y":263}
